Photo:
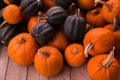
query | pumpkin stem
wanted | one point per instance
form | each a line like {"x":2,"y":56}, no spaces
{"x":106,"y":63}
{"x":78,"y":12}
{"x":3,"y":23}
{"x":43,"y":52}
{"x":40,"y":17}
{"x":87,"y":48}
{"x":22,"y":40}
{"x":73,"y":4}
{"x":95,"y":11}
{"x":75,"y":50}
{"x":115,"y":23}
{"x":104,"y":3}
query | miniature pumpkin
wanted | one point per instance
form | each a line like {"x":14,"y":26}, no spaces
{"x":94,"y":17}
{"x":74,"y":55}
{"x":59,"y":41}
{"x":31,"y":7}
{"x":89,"y":27}
{"x":103,"y":67}
{"x":98,"y":41}
{"x":48,"y":61}
{"x":34,"y":20}
{"x":74,"y":27}
{"x":42,"y":33}
{"x":16,"y":2}
{"x":110,"y":9}
{"x":56,"y":15}
{"x":22,"y":49}
{"x":6,"y":1}
{"x":12,"y":14}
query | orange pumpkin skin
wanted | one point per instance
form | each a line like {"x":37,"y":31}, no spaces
{"x":48,"y":4}
{"x":48,"y":65}
{"x":22,"y":49}
{"x":33,"y":21}
{"x":74,"y":55}
{"x":101,"y":39}
{"x":85,"y":4}
{"x":98,"y":72}
{"x":109,"y":15}
{"x":59,"y":41}
{"x":12,"y":14}
{"x":6,"y":1}
{"x":94,"y":17}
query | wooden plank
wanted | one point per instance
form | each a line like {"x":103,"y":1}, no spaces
{"x":80,"y":73}
{"x":3,"y":62}
{"x":15,"y":71}
{"x":64,"y":75}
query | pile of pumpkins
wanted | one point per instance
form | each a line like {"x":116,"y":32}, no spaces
{"x":50,"y":32}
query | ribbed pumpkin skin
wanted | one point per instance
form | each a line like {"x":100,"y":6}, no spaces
{"x":64,"y":3}
{"x":56,"y":15}
{"x":74,"y":27}
{"x":42,"y":32}
{"x":97,"y":72}
{"x":31,"y":7}
{"x":51,"y":65}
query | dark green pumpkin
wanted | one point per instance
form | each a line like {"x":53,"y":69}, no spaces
{"x":64,"y":3}
{"x":17,"y":2}
{"x":42,"y":33}
{"x":31,"y":7}
{"x":56,"y":15}
{"x":74,"y":27}
{"x":7,"y":32}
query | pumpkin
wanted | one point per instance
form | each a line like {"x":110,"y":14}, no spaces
{"x":85,"y":4}
{"x":7,"y":32}
{"x":103,"y":67}
{"x":94,"y":17}
{"x":17,"y":2}
{"x":6,"y":2}
{"x":116,"y":31}
{"x":48,"y":61}
{"x":42,"y":33}
{"x":12,"y":14}
{"x":64,"y":3}
{"x":98,"y":41}
{"x":22,"y":49}
{"x":59,"y":41}
{"x":110,"y":9}
{"x":56,"y":15}
{"x":74,"y":55}
{"x":89,"y":27}
{"x":74,"y":27}
{"x":31,"y":7}
{"x":34,"y":20}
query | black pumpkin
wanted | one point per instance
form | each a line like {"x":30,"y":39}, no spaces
{"x":7,"y":32}
{"x":56,"y":15}
{"x":64,"y":3}
{"x":17,"y":2}
{"x":74,"y":27}
{"x":31,"y":7}
{"x":42,"y":33}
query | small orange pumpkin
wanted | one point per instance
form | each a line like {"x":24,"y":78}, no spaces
{"x":59,"y":41}
{"x":12,"y":14}
{"x":103,"y":67}
{"x":48,"y":61}
{"x":6,"y":1}
{"x":74,"y":55}
{"x":22,"y":49}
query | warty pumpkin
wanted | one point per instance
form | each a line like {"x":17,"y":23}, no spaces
{"x":48,"y":61}
{"x":98,"y":41}
{"x":74,"y":55}
{"x":104,"y":67}
{"x":22,"y":49}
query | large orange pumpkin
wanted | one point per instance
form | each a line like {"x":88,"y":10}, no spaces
{"x":103,"y":67}
{"x":22,"y":49}
{"x":74,"y":55}
{"x":48,"y":61}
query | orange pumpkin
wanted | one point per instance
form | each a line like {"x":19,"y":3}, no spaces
{"x":94,"y":17}
{"x":59,"y":41}
{"x":12,"y":14}
{"x":103,"y":67}
{"x":6,"y":1}
{"x":22,"y":49}
{"x":48,"y":61}
{"x":74,"y":55}
{"x":98,"y":41}
{"x":48,"y":4}
{"x":34,"y":20}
